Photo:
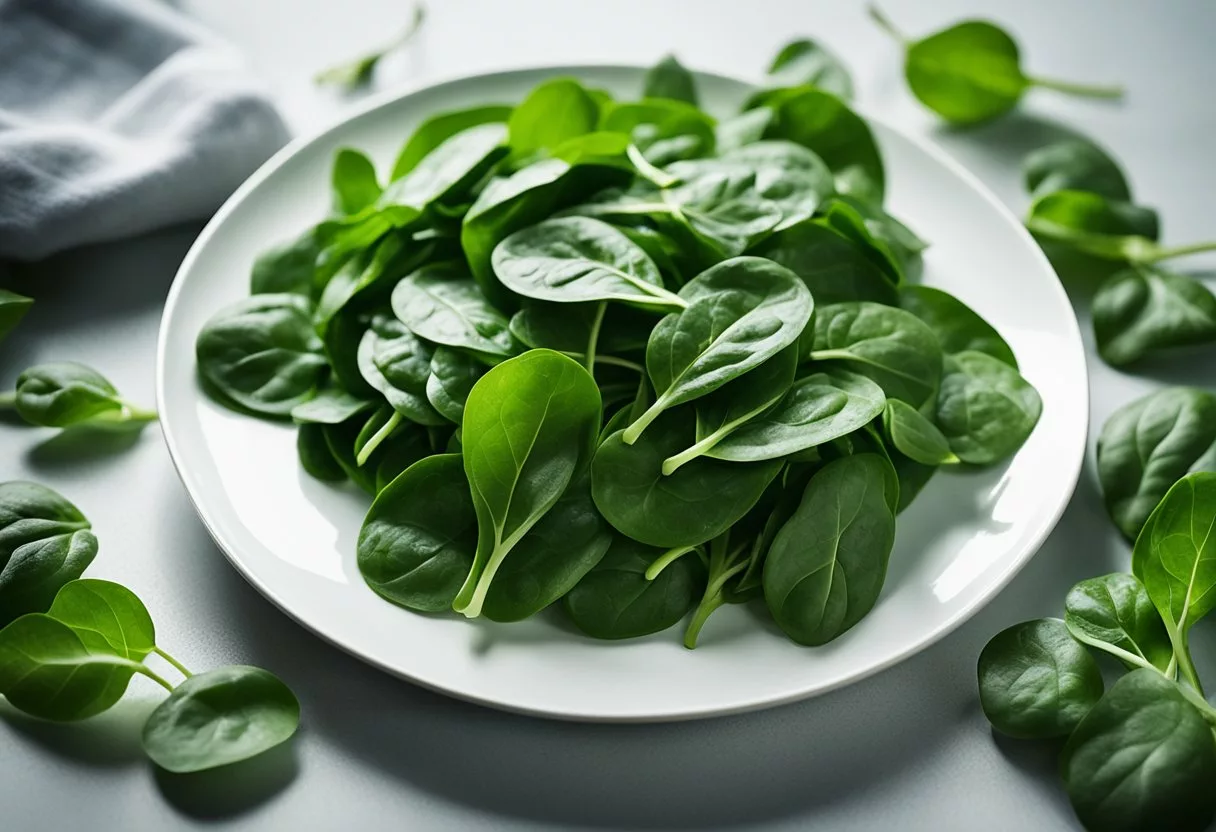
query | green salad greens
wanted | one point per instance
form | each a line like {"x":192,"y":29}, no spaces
{"x":628,"y":356}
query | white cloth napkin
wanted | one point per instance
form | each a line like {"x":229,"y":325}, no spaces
{"x":117,"y":117}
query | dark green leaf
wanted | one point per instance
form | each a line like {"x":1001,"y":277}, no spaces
{"x":915,"y":436}
{"x":107,"y":617}
{"x":1075,"y":165}
{"x":669,"y":79}
{"x":957,"y":326}
{"x":397,"y":363}
{"x":1114,"y":613}
{"x":66,"y":393}
{"x":438,"y":129}
{"x":553,"y":112}
{"x":330,"y":406}
{"x":453,"y":375}
{"x":1141,"y":310}
{"x":315,"y":456}
{"x":985,"y":409}
{"x":442,"y":303}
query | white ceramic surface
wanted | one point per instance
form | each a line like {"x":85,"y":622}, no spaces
{"x":293,"y":538}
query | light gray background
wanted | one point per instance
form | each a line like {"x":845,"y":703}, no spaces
{"x":907,"y":749}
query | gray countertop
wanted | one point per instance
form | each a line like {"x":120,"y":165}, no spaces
{"x":906,"y":749}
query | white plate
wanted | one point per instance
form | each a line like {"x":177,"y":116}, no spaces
{"x":294,"y":538}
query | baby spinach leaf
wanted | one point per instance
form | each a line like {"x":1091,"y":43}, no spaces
{"x":48,"y":672}
{"x":834,"y":267}
{"x":1175,"y":559}
{"x":353,"y":181}
{"x":525,"y":198}
{"x":446,"y":173}
{"x":802,"y":63}
{"x":720,"y":202}
{"x":453,"y":375}
{"x":886,"y":235}
{"x":397,"y":363}
{"x":734,"y":404}
{"x":358,"y":73}
{"x":786,"y":174}
{"x":664,"y":129}
{"x":315,"y":456}
{"x":914,"y":436}
{"x":1096,"y":226}
{"x":220,"y":717}
{"x":45,"y":542}
{"x":106,"y":617}
{"x":553,"y":112}
{"x":958,"y":327}
{"x":1142,"y":310}
{"x":892,"y":347}
{"x":417,"y":541}
{"x":696,"y":503}
{"x":330,"y":406}
{"x":1148,"y":445}
{"x":912,"y":477}
{"x":438,"y":129}
{"x":1036,"y":682}
{"x":262,"y":353}
{"x":1142,"y":758}
{"x":971,"y":71}
{"x":985,"y":408}
{"x":740,"y":313}
{"x":560,"y":549}
{"x":818,"y":408}
{"x":442,"y":303}
{"x":669,"y":79}
{"x":579,"y":259}
{"x":12,"y":309}
{"x":341,"y":340}
{"x":616,"y":600}
{"x":410,"y":443}
{"x":1075,"y":165}
{"x":529,"y":430}
{"x":1114,"y":613}
{"x":567,"y":327}
{"x":743,"y":129}
{"x":340,"y":439}
{"x":827,"y":565}
{"x":369,"y":275}
{"x":823,"y":123}
{"x":66,"y":393}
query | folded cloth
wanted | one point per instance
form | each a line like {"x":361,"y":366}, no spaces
{"x":117,"y":117}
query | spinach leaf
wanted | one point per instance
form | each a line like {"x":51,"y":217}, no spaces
{"x":568,"y":328}
{"x":417,"y":541}
{"x":446,"y":173}
{"x":818,"y":408}
{"x":525,"y":198}
{"x":912,"y":477}
{"x":743,"y":129}
{"x":958,"y":327}
{"x":720,"y":202}
{"x":438,"y":129}
{"x":65,"y":394}
{"x":45,"y":542}
{"x":1142,"y":310}
{"x":553,"y":112}
{"x":315,"y":456}
{"x":736,"y":403}
{"x":1036,"y":682}
{"x":971,"y":72}
{"x":820,"y":121}
{"x":220,"y":717}
{"x":891,"y":346}
{"x":802,"y":63}
{"x":369,"y":276}
{"x":669,"y":79}
{"x":529,"y":430}
{"x":330,"y":406}
{"x":340,"y":439}
{"x":985,"y":409}
{"x":48,"y":672}
{"x":664,"y":129}
{"x":579,"y":259}
{"x":106,"y":617}
{"x":552,"y":557}
{"x":1175,"y":558}
{"x":358,"y":73}
{"x":384,"y":423}
{"x":1096,"y":226}
{"x":353,"y":181}
{"x":262,"y":353}
{"x":442,"y":303}
{"x":12,"y":309}
{"x":786,"y":174}
{"x":914,"y":436}
{"x":827,"y":565}
{"x":397,"y":363}
{"x":1148,"y":445}
{"x":453,"y":375}
{"x":696,"y":503}
{"x":616,"y":600}
{"x":834,"y":267}
{"x":343,"y":334}
{"x":1143,"y":758}
{"x":1075,"y":165}
{"x":887,"y":235}
{"x":740,"y":313}
{"x":1114,"y":613}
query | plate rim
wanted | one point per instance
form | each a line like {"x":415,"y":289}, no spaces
{"x":388,"y":98}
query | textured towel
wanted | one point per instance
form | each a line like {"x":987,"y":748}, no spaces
{"x":117,"y":117}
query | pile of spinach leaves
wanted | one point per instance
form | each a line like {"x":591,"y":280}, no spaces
{"x":624,"y":356}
